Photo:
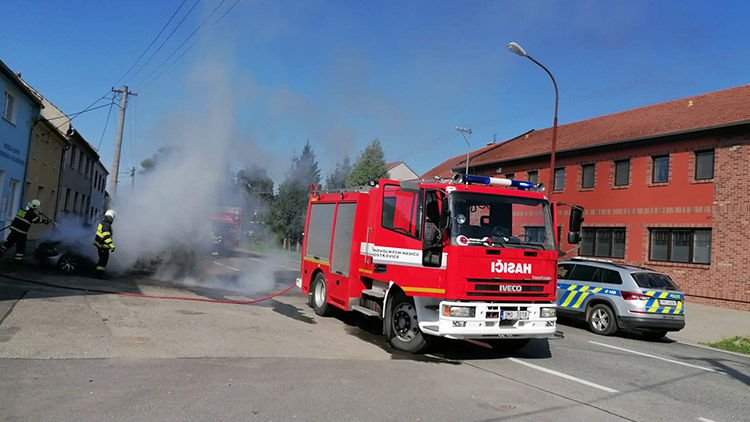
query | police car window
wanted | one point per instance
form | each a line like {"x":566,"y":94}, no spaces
{"x":563,"y":270}
{"x":654,"y":281}
{"x":608,"y":276}
{"x":583,"y":273}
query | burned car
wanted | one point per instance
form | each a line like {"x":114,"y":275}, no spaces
{"x":67,"y":255}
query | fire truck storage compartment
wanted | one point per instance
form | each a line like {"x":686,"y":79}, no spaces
{"x":319,"y":236}
{"x":342,"y":238}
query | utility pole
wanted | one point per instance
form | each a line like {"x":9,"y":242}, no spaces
{"x":118,"y":141}
{"x":463,"y":132}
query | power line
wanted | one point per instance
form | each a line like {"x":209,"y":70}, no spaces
{"x":188,"y":38}
{"x":191,"y":45}
{"x":74,"y":115}
{"x":152,"y":42}
{"x":106,"y":123}
{"x":165,"y":41}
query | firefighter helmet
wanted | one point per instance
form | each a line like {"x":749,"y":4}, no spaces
{"x":110,"y":215}
{"x":35,"y":204}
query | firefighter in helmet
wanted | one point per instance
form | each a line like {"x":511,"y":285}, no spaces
{"x":19,"y":228}
{"x":103,"y":242}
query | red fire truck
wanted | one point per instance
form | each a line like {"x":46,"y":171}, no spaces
{"x":491,"y":276}
{"x":227,"y":227}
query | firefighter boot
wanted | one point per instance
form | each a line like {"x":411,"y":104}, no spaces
{"x":100,"y":274}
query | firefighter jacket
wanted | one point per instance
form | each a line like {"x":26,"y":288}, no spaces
{"x":24,"y":219}
{"x":103,"y":239}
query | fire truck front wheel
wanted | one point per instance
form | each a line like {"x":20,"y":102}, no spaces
{"x":401,"y":324}
{"x":319,"y":295}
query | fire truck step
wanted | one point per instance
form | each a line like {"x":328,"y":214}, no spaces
{"x":362,"y":309}
{"x":379,"y":293}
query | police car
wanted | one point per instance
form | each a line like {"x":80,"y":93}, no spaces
{"x":610,"y":296}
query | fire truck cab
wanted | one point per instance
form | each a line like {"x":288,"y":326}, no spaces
{"x":466,"y":258}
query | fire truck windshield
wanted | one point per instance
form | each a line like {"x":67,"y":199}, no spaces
{"x":500,"y":221}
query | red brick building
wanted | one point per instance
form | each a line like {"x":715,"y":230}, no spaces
{"x":665,"y":186}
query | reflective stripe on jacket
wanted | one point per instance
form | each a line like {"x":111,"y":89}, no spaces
{"x":103,"y":237}
{"x":24,"y":219}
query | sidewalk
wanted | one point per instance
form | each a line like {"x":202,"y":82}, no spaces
{"x":709,"y":324}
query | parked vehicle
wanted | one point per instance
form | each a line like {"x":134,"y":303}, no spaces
{"x":482,"y":266}
{"x":67,"y":255}
{"x":610,"y":296}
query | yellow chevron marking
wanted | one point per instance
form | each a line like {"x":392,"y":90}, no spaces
{"x":584,"y":288}
{"x":597,"y":290}
{"x":572,"y":287}
{"x":569,"y":299}
{"x":580,"y":300}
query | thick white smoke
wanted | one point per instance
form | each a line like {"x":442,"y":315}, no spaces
{"x":165,"y":217}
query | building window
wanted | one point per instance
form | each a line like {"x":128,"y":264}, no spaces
{"x":9,"y":108}
{"x":704,"y":165}
{"x":533,"y":177}
{"x":587,"y":176}
{"x":603,"y":242}
{"x":559,"y":178}
{"x":622,"y":172}
{"x":660,"y":173}
{"x":510,"y":176}
{"x":681,"y":245}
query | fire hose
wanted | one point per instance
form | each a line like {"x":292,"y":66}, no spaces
{"x":112,"y":292}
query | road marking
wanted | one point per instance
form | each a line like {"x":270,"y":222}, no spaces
{"x":658,"y":357}
{"x":566,"y":376}
{"x":232,"y":268}
{"x":705,"y":420}
{"x":218,"y":263}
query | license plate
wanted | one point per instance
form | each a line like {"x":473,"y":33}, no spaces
{"x":667,"y":302}
{"x":514,"y":315}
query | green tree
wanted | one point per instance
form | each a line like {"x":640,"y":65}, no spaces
{"x":259,"y":187}
{"x":149,"y":164}
{"x":369,"y":166}
{"x":337,"y":178}
{"x":287,"y":214}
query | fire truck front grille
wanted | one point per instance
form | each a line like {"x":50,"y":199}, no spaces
{"x":507,"y":288}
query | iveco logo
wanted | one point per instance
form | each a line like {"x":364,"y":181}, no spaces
{"x":510,"y":288}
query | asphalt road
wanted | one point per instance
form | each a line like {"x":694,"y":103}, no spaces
{"x":77,"y":355}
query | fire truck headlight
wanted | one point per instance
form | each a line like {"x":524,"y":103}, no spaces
{"x":548,"y":312}
{"x":459,"y":311}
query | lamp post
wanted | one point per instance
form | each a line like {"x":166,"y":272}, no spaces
{"x":517,"y":49}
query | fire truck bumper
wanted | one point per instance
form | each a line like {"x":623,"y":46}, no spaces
{"x":481,"y":320}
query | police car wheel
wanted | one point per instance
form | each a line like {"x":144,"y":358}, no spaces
{"x":319,"y":295}
{"x":401,"y":325}
{"x":601,"y":320}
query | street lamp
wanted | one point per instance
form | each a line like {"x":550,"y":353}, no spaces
{"x":517,"y":49}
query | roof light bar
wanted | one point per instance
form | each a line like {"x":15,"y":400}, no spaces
{"x":520,"y":184}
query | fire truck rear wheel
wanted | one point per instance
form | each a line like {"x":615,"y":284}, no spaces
{"x":319,"y":295}
{"x":402,"y":328}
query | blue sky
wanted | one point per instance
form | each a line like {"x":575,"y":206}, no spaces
{"x":340,"y":73}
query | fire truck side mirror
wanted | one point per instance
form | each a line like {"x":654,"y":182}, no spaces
{"x":574,"y":238}
{"x":576,"y":219}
